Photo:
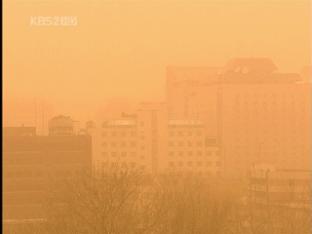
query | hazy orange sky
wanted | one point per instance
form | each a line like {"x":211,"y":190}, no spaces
{"x":121,"y":48}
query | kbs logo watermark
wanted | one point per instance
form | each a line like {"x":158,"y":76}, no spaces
{"x":54,"y":21}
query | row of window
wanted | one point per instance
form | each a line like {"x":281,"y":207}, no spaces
{"x":122,"y":165}
{"x":191,"y":164}
{"x":194,"y":153}
{"x":120,"y":154}
{"x":185,"y":133}
{"x":182,"y":143}
{"x":119,"y":133}
{"x":200,"y":173}
{"x":119,"y":144}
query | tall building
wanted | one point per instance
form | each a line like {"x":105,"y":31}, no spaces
{"x":132,"y":141}
{"x":266,"y":117}
{"x":150,"y":141}
{"x":61,"y":126}
{"x":280,"y":188}
{"x":257,"y":114}
{"x":190,"y":150}
{"x":34,"y":166}
{"x":192,"y":93}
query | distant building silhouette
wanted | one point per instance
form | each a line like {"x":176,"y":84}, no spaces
{"x":34,"y":165}
{"x":270,"y":187}
{"x":149,"y":141}
{"x":61,"y":126}
{"x":256,"y":113}
{"x":19,"y":131}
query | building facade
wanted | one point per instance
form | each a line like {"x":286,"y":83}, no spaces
{"x":34,"y":166}
{"x":257,"y":114}
{"x":150,"y":141}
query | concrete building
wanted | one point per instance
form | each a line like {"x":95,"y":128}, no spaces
{"x":257,"y":114}
{"x":266,"y":117}
{"x":61,"y":126}
{"x":132,"y":141}
{"x":34,"y":166}
{"x":192,"y":93}
{"x":190,"y":151}
{"x":280,"y":188}
{"x":148,"y":140}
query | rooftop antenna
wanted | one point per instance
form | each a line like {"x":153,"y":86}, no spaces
{"x":42,"y":130}
{"x":36,"y":114}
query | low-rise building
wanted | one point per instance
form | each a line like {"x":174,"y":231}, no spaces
{"x":33,"y":167}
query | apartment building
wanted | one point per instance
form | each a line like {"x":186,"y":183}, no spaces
{"x":34,"y":166}
{"x":190,"y":151}
{"x":280,"y":187}
{"x":148,"y":140}
{"x":257,"y":114}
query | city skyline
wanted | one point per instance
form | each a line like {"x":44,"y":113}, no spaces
{"x":121,"y":47}
{"x":157,"y":116}
{"x":83,"y":111}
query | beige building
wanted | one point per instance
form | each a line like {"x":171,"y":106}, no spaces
{"x":257,"y":114}
{"x":190,"y":151}
{"x":149,"y":141}
{"x":280,"y":188}
{"x":132,"y":141}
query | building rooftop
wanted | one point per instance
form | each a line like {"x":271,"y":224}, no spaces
{"x":119,"y":123}
{"x":251,"y":65}
{"x":185,"y":123}
{"x":19,"y":131}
